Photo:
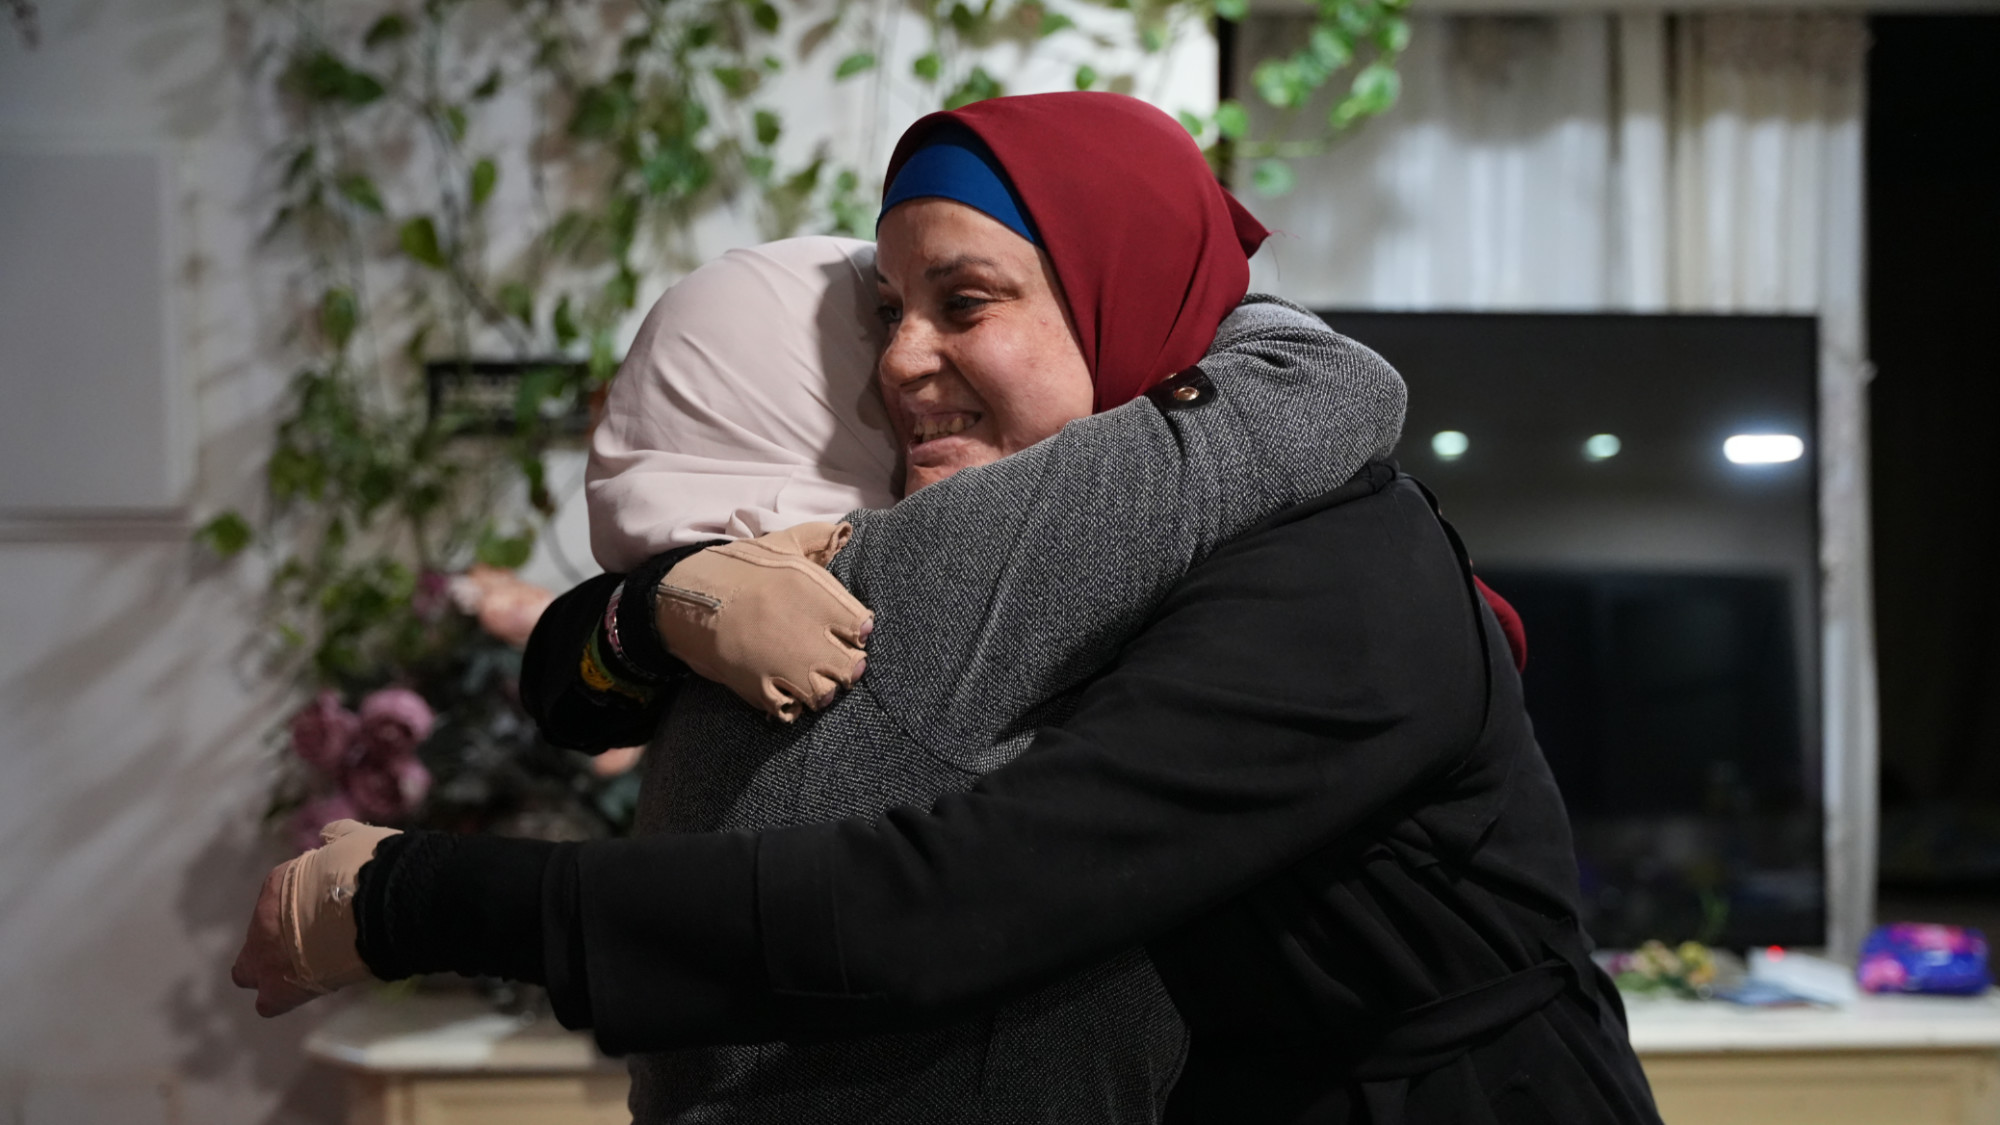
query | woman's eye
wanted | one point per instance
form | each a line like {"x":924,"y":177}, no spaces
{"x":889,"y":314}
{"x":960,"y":303}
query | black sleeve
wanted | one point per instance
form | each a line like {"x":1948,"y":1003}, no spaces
{"x":1298,"y":684}
{"x":635,"y":678}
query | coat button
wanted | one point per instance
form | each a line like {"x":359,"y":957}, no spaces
{"x":1187,"y":394}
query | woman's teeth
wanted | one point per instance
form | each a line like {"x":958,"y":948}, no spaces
{"x":930,"y":429}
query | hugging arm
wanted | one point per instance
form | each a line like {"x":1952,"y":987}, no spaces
{"x":760,"y":616}
{"x":1071,"y":541}
{"x":584,"y":692}
{"x":1292,"y":687}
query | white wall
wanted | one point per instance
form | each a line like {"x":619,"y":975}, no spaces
{"x":132,"y":752}
{"x":135,"y":722}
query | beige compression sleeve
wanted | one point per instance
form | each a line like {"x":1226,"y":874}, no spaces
{"x":763,"y":618}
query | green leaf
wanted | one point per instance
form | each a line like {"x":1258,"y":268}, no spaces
{"x":320,"y":76}
{"x":622,"y":291}
{"x":537,"y":473}
{"x":505,"y":551}
{"x":764,"y":15}
{"x":563,"y":323}
{"x":1277,"y":83}
{"x":488,"y":86}
{"x":1152,"y":39}
{"x":414,"y":348}
{"x":964,"y":20}
{"x":768,"y":127}
{"x":603,"y":357}
{"x":1329,"y":48}
{"x":1086,"y":76}
{"x":1393,"y":35}
{"x":337,"y":316}
{"x":1356,"y":17}
{"x":387,"y":29}
{"x":360,"y":191}
{"x":1272,"y":177}
{"x":1053,"y":22}
{"x":853,"y":64}
{"x":622,"y":221}
{"x":602,"y":112}
{"x":538,"y":387}
{"x":281,"y":219}
{"x":300,"y":163}
{"x":518,"y":301}
{"x":419,"y":239}
{"x":1379,"y":84}
{"x":816,"y":36}
{"x":454,"y":122}
{"x":484,"y":176}
{"x":977,"y":87}
{"x":1190,"y":122}
{"x":361,"y":88}
{"x":737,"y":81}
{"x":927,"y":66}
{"x":1375,"y":89}
{"x":226,"y":534}
{"x":1232,"y":119}
{"x":1232,"y":10}
{"x":803,"y":181}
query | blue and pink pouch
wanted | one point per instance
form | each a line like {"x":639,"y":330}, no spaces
{"x":1915,"y":957}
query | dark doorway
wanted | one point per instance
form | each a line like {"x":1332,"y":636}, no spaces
{"x":1934,"y":326}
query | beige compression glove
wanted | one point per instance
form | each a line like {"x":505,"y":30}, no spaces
{"x":763,"y":618}
{"x":316,"y":908}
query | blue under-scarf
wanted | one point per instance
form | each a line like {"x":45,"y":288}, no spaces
{"x":955,"y":164}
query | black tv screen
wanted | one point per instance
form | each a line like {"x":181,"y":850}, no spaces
{"x":1643,"y":489}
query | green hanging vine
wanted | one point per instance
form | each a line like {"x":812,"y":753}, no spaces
{"x":608,"y":128}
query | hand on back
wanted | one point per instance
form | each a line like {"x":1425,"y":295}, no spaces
{"x":763,"y":618}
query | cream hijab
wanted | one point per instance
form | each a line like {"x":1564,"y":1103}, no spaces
{"x":746,"y":405}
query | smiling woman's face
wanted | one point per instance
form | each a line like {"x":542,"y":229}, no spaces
{"x":982,"y":361}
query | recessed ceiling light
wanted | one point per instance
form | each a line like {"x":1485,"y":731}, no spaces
{"x":1763,"y":449}
{"x":1450,"y":445}
{"x":1602,"y":447}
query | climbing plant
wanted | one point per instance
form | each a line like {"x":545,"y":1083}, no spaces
{"x":463,"y":181}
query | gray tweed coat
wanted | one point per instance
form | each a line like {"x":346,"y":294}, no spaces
{"x":997,"y":594}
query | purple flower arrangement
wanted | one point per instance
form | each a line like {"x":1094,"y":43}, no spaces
{"x":362,"y":766}
{"x":432,"y":735}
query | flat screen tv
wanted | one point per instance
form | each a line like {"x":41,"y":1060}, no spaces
{"x":1643,"y":489}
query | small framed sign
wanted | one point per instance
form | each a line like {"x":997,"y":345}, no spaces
{"x":491,"y":396}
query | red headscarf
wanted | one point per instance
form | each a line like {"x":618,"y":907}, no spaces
{"x":1152,"y":253}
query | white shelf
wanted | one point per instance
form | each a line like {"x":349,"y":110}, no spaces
{"x":432,"y":1034}
{"x":1875,"y":1023}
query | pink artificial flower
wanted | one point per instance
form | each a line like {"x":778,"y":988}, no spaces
{"x":386,"y":786}
{"x":323,"y":734}
{"x":394,"y":722}
{"x":303,"y":830}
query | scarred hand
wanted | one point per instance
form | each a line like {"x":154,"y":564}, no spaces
{"x":301,"y":939}
{"x":763,"y":618}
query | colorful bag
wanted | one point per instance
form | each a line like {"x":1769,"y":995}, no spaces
{"x":1915,"y":957}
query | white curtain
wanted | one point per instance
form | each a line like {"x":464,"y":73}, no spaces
{"x":1698,"y":163}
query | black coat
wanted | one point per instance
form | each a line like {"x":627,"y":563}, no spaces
{"x":1309,"y":788}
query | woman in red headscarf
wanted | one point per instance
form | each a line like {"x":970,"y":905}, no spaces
{"x":1307,"y":788}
